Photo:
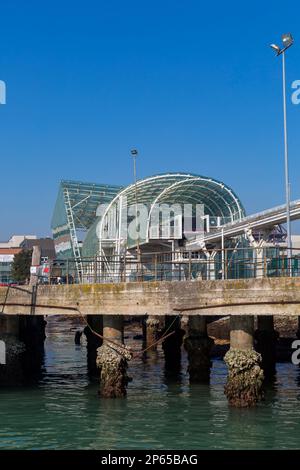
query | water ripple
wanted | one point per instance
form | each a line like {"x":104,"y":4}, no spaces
{"x":64,"y":412}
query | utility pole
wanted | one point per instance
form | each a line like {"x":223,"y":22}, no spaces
{"x":134,"y":154}
{"x":288,"y":41}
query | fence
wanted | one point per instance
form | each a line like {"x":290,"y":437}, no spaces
{"x":229,"y":263}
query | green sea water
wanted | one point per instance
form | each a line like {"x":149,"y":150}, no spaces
{"x":63,"y":411}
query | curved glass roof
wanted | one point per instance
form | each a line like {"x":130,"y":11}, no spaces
{"x":219,"y":200}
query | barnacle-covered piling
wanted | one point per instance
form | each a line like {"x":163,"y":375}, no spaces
{"x":112,"y":358}
{"x":245,"y":375}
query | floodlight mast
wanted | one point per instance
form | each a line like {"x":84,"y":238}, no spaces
{"x":134,"y":154}
{"x":288,"y":41}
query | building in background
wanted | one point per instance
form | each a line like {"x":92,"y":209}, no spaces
{"x":8,"y":250}
{"x":15,"y":241}
{"x":15,"y":245}
{"x":46,"y":245}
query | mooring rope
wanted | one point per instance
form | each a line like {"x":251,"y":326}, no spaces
{"x":134,"y":353}
{"x":118,"y":346}
{"x":164,"y":336}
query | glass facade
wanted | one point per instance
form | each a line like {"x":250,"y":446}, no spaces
{"x":220,"y":203}
{"x":75,"y":211}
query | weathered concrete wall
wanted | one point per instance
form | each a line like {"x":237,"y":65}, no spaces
{"x":269,"y":296}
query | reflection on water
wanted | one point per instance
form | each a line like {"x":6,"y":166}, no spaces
{"x":161,"y":411}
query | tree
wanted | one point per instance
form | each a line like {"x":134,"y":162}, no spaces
{"x":20,"y":270}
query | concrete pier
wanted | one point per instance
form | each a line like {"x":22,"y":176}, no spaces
{"x":172,"y":345}
{"x":93,"y":342}
{"x":266,"y":339}
{"x":198,"y":346}
{"x":245,"y":376}
{"x":112,"y":358}
{"x":267,"y":296}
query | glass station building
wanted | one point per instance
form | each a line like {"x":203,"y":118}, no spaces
{"x":93,"y":221}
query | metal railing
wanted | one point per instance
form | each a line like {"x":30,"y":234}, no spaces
{"x":239,"y":263}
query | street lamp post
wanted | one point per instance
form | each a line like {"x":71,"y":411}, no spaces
{"x":134,"y":154}
{"x":287,"y":41}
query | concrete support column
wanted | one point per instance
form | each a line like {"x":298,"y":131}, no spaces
{"x":93,"y":342}
{"x":11,"y":373}
{"x":151,"y":329}
{"x":172,"y":345}
{"x":198,"y":346}
{"x":259,"y":263}
{"x":32,"y":334}
{"x":245,"y":376}
{"x":112,"y":358}
{"x":266,"y":339}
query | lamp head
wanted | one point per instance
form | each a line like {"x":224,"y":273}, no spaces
{"x":287,"y":40}
{"x":134,"y":152}
{"x":275,"y":48}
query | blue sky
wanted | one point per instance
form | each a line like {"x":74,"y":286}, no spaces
{"x":193,"y":85}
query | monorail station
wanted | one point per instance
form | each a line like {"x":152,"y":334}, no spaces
{"x":99,"y":211}
{"x":187,"y":226}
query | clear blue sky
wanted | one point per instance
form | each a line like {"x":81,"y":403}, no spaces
{"x":193,"y":85}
